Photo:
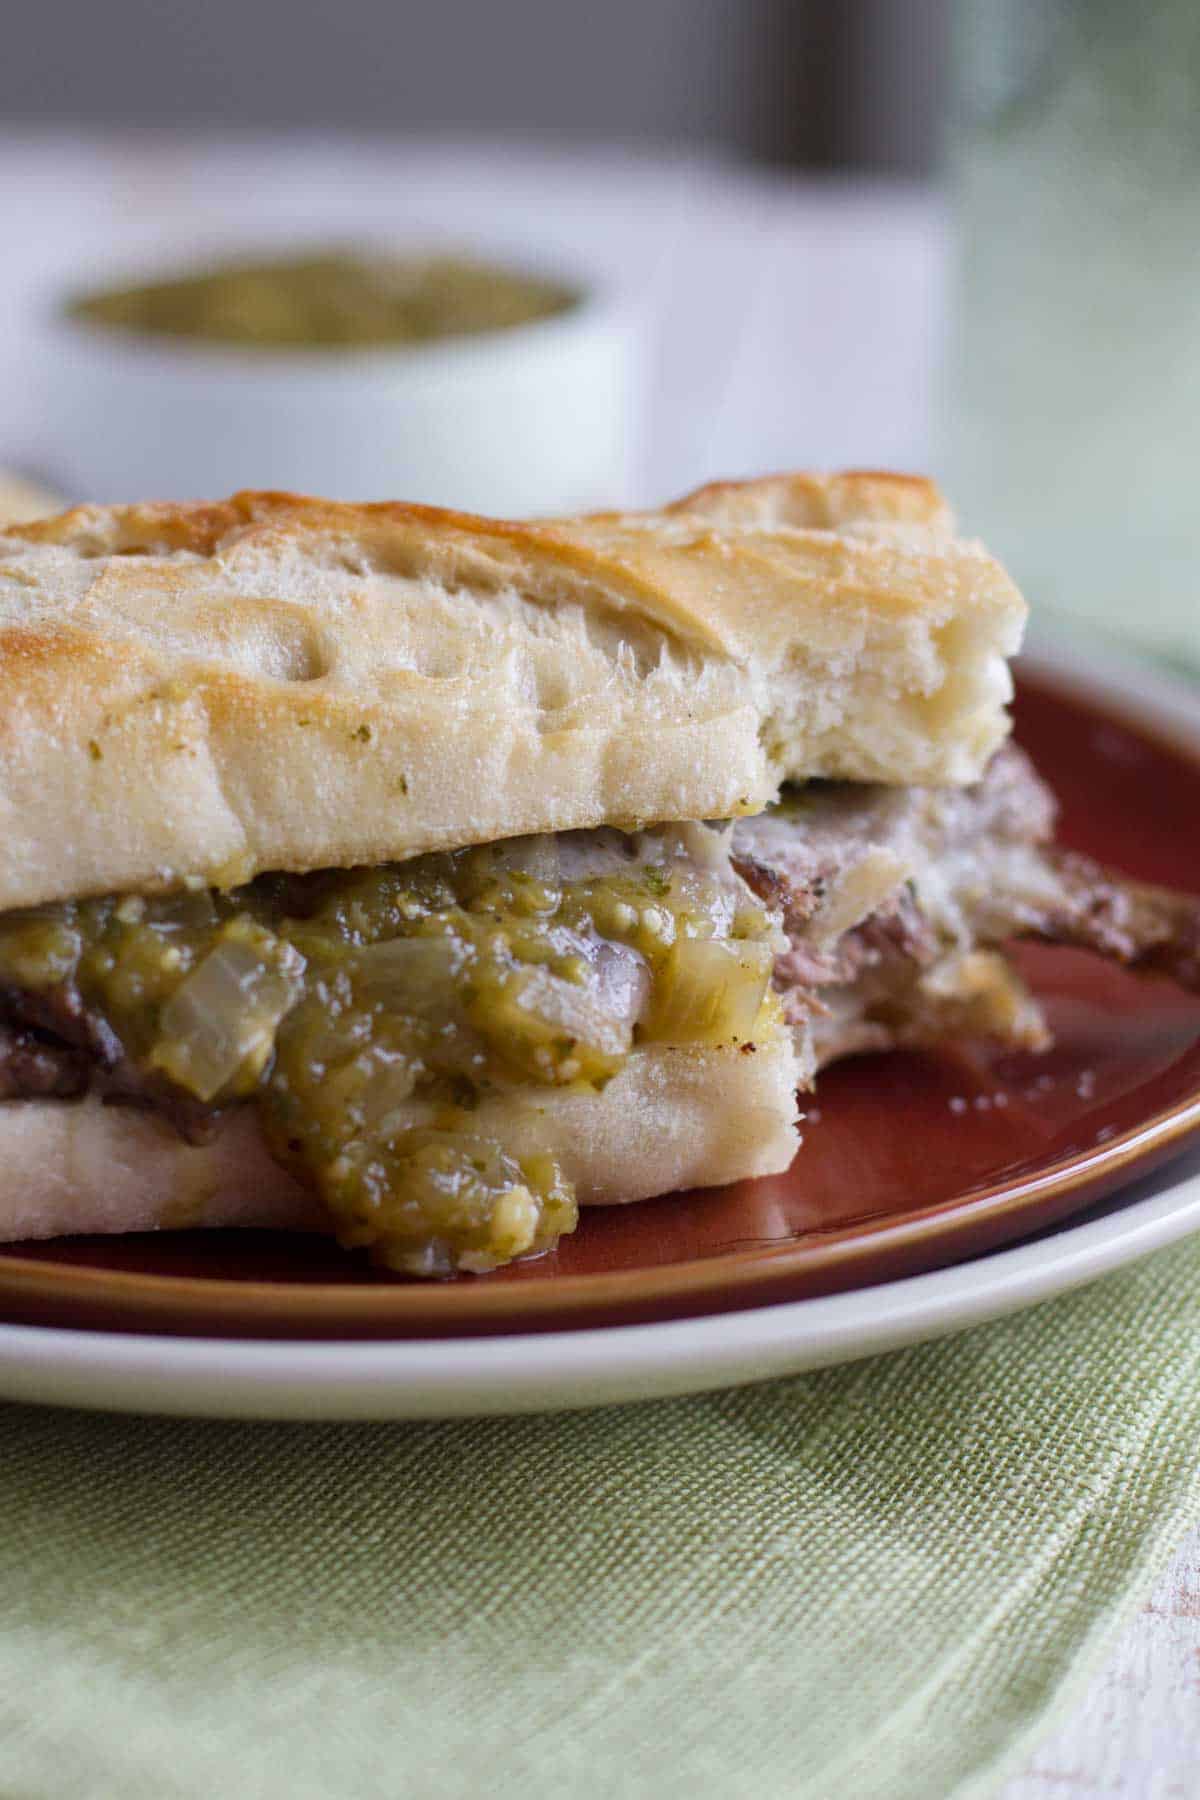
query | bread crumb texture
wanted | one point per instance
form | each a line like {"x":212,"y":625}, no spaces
{"x":206,"y":691}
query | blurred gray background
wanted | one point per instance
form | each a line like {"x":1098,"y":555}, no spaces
{"x":856,"y":84}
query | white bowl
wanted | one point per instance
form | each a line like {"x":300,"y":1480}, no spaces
{"x":533,"y":418}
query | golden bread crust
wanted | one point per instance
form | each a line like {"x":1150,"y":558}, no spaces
{"x":212,"y":690}
{"x":849,"y":501}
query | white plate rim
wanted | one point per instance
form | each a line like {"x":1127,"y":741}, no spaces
{"x":443,"y":1378}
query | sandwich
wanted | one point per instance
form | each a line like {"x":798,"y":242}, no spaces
{"x":422,"y":878}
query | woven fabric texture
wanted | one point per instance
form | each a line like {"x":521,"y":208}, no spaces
{"x":872,"y":1581}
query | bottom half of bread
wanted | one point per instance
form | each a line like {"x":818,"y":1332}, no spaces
{"x":671,"y":1119}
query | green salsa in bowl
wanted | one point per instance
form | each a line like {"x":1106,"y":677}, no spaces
{"x":329,"y":300}
{"x":483,"y":380}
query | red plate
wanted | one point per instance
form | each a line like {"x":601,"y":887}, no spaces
{"x":910,"y":1161}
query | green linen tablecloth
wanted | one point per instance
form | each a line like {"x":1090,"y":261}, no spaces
{"x":878,"y":1580}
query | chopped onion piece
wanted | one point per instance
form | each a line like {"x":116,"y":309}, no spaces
{"x":558,"y":1008}
{"x":622,"y":982}
{"x":414,"y":975}
{"x":556,"y":1030}
{"x":709,"y":991}
{"x":217,"y":1031}
{"x":536,"y":857}
{"x":870,"y":880}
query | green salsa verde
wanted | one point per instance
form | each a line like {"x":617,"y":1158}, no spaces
{"x":333,"y":300}
{"x":366,"y":1013}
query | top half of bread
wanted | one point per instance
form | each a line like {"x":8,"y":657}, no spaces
{"x":274,"y":682}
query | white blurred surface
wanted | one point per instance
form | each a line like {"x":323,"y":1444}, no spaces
{"x":1136,"y":1733}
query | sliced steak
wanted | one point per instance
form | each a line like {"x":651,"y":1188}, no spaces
{"x":53,"y":1045}
{"x":1153,"y":929}
{"x":34,"y":1068}
{"x":889,"y":895}
{"x":61,"y":1013}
